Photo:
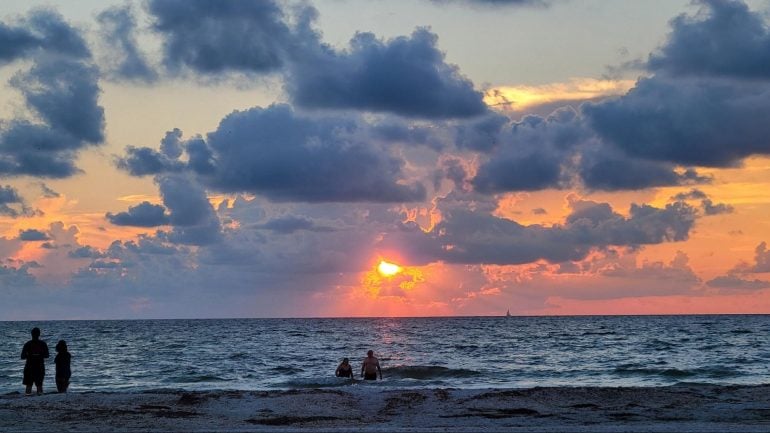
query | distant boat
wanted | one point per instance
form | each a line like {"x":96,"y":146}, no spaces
{"x":508,"y":313}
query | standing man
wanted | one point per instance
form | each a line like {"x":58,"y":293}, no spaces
{"x":371,"y":367}
{"x":35,"y":351}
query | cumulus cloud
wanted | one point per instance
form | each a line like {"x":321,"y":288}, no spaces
{"x":124,"y":59}
{"x":144,"y":214}
{"x":725,"y":39}
{"x":651,"y":121}
{"x":61,"y":89}
{"x":404,"y":75}
{"x":193,"y":219}
{"x":284,"y":156}
{"x":212,"y":37}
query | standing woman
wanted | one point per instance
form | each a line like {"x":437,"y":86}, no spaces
{"x":62,"y":362}
{"x":34,"y":352}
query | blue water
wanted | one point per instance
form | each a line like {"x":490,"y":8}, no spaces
{"x":473,"y":352}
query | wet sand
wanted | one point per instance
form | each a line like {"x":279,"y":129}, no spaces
{"x":681,"y":408}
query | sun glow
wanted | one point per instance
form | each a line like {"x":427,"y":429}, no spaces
{"x":388,"y":269}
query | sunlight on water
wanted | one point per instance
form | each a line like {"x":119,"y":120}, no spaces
{"x":419,"y":352}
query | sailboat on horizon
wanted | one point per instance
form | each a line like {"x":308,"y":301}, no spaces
{"x":508,"y":313}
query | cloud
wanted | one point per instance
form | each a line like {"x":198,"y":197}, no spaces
{"x":405,"y":75}
{"x":733,"y":282}
{"x":223,"y":36}
{"x":144,"y":214}
{"x":725,"y":39}
{"x":761,"y":262}
{"x":124,"y":60}
{"x":291,"y":224}
{"x":85,"y":252}
{"x":64,"y":93}
{"x":604,"y":169}
{"x":497,"y":3}
{"x":31,"y":235}
{"x":61,"y":89}
{"x":479,"y":238}
{"x":689,"y":122}
{"x":41,"y":29}
{"x":191,"y":215}
{"x":12,"y":204}
{"x":287,"y":157}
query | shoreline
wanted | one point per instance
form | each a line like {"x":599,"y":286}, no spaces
{"x":677,"y":408}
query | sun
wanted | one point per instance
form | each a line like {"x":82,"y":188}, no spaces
{"x":388,"y":269}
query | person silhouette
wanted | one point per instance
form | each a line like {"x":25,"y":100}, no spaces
{"x":344,"y":369}
{"x":63,"y":371}
{"x":34,"y":352}
{"x":370,"y":367}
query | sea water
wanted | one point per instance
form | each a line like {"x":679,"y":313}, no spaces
{"x":463,"y":352}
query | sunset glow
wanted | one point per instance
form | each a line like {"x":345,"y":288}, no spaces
{"x":371,"y":156}
{"x":388,"y":269}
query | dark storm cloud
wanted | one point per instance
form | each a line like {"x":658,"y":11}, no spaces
{"x":725,"y":39}
{"x":144,"y":214}
{"x":689,"y":122}
{"x":480,"y":238}
{"x":191,"y":214}
{"x":215,"y":36}
{"x":125,"y":60}
{"x":405,"y":75}
{"x":33,"y":235}
{"x":286,"y":157}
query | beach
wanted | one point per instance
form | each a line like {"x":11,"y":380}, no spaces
{"x":679,"y":408}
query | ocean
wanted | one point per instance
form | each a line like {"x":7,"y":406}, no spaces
{"x":462,"y":352}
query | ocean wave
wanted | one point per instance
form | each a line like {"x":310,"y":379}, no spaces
{"x":428,"y":372}
{"x":676,"y":373}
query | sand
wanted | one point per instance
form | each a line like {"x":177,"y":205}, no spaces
{"x":365,"y":408}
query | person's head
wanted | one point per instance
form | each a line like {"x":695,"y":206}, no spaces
{"x":61,"y":346}
{"x":370,"y":353}
{"x":345,"y":361}
{"x":35,"y":333}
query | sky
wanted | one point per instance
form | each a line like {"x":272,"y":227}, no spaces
{"x":337,"y":158}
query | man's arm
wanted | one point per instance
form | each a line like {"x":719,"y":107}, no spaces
{"x":363,"y":367}
{"x":24,"y":351}
{"x":45,"y":351}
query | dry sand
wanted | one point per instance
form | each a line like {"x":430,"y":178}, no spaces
{"x":362,"y":408}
